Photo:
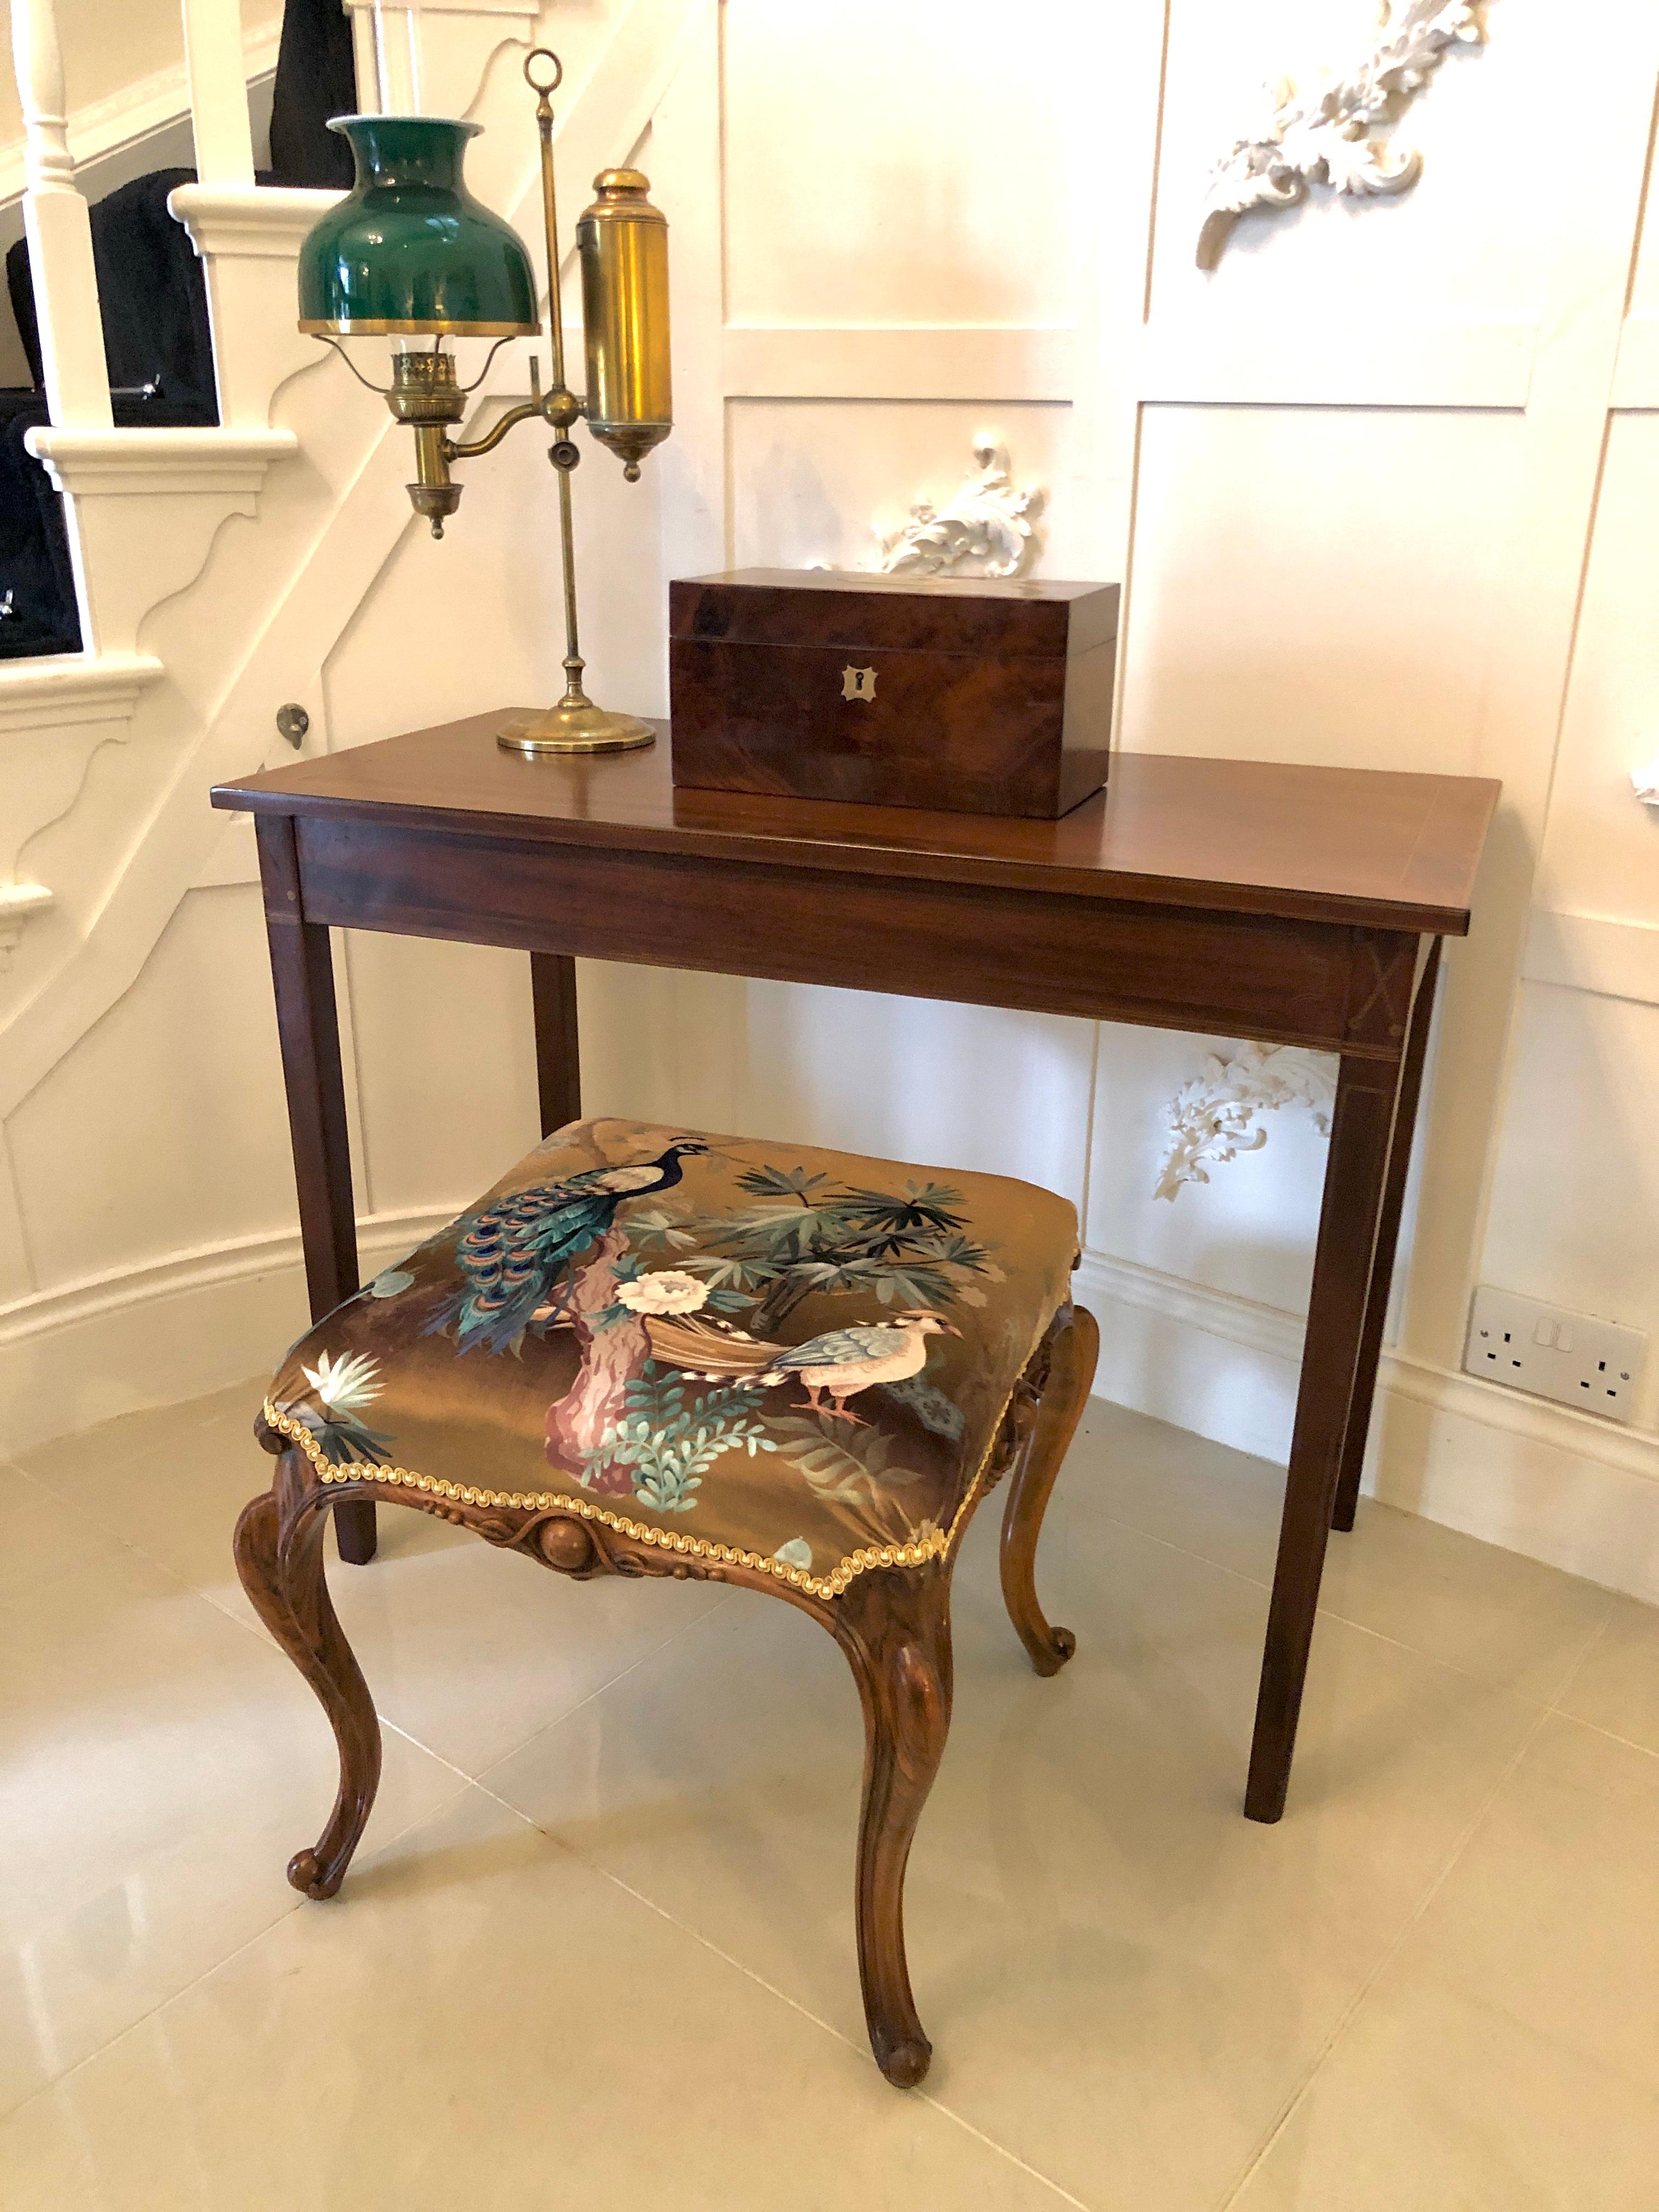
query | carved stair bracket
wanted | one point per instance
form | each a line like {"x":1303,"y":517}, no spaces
{"x":1220,"y":1113}
{"x":985,"y":530}
{"x":1324,"y":135}
{"x":144,"y":508}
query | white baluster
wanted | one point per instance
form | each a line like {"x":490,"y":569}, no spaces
{"x":59,"y":233}
{"x":365,"y":55}
{"x":218,"y":92}
{"x":398,"y":55}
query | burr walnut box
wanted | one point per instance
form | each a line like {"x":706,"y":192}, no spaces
{"x":975,"y":695}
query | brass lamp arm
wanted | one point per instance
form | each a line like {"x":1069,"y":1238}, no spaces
{"x":558,"y":407}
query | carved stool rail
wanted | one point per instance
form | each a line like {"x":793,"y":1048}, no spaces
{"x":648,"y":1352}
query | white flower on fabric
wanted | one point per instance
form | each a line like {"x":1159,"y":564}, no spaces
{"x":345,"y":1385}
{"x":672,"y":1291}
{"x":796,"y":1553}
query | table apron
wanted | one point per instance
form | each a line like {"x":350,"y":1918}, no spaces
{"x":1328,"y":985}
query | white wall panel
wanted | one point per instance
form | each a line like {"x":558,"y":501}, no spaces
{"x":1575,"y":1207}
{"x":1250,"y":1231}
{"x":119,"y":1159}
{"x":1601,"y":847}
{"x":665,"y":1047}
{"x":16,"y":1275}
{"x":897,"y":162}
{"x":946,"y":1086}
{"x":1469,"y":242}
{"x":810,"y":478}
{"x":1318,"y":585}
{"x":445,"y":1068}
{"x":1645,"y":276}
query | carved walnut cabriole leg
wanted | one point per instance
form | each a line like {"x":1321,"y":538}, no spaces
{"x":894,"y":1625}
{"x":1073,"y":1348}
{"x":279,"y":1556}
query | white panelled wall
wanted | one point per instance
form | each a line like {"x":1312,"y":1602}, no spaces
{"x":1383,"y":488}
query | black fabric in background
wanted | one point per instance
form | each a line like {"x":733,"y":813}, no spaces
{"x":37,"y":585}
{"x":153,"y":303}
{"x":153,"y":298}
{"x":316,"y":78}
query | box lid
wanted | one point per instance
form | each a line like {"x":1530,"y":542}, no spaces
{"x":926,"y":614}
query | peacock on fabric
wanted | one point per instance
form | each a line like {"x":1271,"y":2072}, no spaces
{"x":753,"y":1351}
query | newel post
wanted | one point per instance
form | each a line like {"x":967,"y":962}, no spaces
{"x":218,"y":92}
{"x":59,"y":233}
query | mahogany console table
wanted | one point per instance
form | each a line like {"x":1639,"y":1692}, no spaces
{"x":1295,"y":905}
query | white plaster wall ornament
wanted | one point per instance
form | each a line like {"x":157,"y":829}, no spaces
{"x":1644,"y":782}
{"x":1324,"y":135}
{"x":984,"y":530}
{"x":1220,"y":1113}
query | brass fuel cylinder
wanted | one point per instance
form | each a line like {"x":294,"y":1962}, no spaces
{"x":624,"y":244}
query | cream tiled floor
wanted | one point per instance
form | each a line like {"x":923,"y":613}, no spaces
{"x":595,"y":1950}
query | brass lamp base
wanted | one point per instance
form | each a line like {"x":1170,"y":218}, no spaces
{"x":584,"y":729}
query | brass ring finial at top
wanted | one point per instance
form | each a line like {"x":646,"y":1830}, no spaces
{"x":543,"y":54}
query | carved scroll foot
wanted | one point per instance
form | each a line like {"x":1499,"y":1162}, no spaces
{"x":894,"y":1628}
{"x":1074,"y":1350}
{"x":279,"y":1556}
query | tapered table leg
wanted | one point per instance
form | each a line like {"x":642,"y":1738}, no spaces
{"x":558,"y":1063}
{"x":1387,"y":1239}
{"x":308,"y":1027}
{"x":1354,"y":1181}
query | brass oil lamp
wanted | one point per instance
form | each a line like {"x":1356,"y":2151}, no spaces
{"x":410,"y":253}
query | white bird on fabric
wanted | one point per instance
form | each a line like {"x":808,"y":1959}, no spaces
{"x":841,"y":1362}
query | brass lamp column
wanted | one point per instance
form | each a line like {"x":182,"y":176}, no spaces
{"x":410,"y":252}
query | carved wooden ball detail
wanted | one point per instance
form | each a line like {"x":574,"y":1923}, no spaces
{"x":567,"y":1545}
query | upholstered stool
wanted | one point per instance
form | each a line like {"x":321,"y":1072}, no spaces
{"x":645,"y":1352}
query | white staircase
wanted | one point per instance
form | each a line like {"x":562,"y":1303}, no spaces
{"x":214,"y":569}
{"x":217,"y":570}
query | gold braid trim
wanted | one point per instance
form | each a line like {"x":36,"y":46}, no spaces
{"x":932,"y":1546}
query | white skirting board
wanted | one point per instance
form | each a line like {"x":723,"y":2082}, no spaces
{"x":174,"y":1328}
{"x":1514,"y":1470}
{"x":1561,"y":1486}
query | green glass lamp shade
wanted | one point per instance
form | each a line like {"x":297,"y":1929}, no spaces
{"x":408,"y":250}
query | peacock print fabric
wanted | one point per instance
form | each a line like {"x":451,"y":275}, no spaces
{"x":799,"y":1359}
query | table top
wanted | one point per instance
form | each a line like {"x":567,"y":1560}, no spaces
{"x":1367,"y":847}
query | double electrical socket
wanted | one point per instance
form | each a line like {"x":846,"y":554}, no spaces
{"x":1571,"y":1357}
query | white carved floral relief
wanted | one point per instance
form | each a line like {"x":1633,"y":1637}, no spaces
{"x":1327,"y":133}
{"x":984,"y":529}
{"x":1222,"y":1111}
